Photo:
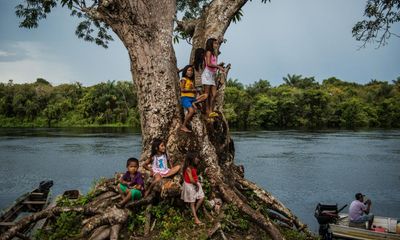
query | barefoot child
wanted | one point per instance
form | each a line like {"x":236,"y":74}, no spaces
{"x":188,"y":95}
{"x":131,"y":183}
{"x":192,"y":191}
{"x":159,"y":164}
{"x":209,"y":74}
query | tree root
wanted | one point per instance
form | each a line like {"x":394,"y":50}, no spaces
{"x":148,"y":220}
{"x":214,"y":229}
{"x":274,"y":204}
{"x":230,"y":196}
{"x":54,"y":211}
{"x":101,"y":233}
{"x":112,"y":216}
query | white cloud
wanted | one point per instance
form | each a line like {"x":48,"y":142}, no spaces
{"x":37,"y":62}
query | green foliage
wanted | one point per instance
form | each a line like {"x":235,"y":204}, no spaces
{"x":68,"y":105}
{"x":298,"y":103}
{"x":234,"y":219}
{"x":291,"y":234}
{"x":32,"y":11}
{"x":170,"y":220}
{"x":136,"y":221}
{"x":67,"y":226}
{"x":171,"y":223}
{"x":304,"y":103}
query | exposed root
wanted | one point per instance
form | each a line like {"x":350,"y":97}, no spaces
{"x":54,"y":211}
{"x":274,"y":204}
{"x":214,"y":229}
{"x":101,"y":233}
{"x":230,"y":196}
{"x":114,"y":233}
{"x":112,"y":216}
{"x":148,"y":220}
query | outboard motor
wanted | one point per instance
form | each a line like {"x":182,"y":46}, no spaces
{"x":326,"y":214}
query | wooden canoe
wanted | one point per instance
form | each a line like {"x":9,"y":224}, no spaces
{"x":26,"y":205}
{"x":383,"y":228}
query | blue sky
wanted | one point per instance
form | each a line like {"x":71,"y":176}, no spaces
{"x":309,"y":38}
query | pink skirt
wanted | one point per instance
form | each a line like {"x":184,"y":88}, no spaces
{"x":189,"y":193}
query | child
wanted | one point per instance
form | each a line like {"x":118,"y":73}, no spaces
{"x":198,"y":65}
{"x":208,"y":76}
{"x":159,"y":164}
{"x":131,"y":184}
{"x":188,"y":95}
{"x":192,"y":191}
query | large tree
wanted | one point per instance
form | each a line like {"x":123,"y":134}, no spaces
{"x":146,"y":28}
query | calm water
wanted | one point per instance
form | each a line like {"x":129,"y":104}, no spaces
{"x":299,"y":168}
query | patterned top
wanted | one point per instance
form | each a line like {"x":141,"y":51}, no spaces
{"x":160,"y":164}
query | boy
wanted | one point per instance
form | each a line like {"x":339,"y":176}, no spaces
{"x":131,"y":184}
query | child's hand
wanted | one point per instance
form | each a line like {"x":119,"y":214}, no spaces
{"x":137,"y":186}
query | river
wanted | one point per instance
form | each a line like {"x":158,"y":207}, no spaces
{"x":300,"y":168}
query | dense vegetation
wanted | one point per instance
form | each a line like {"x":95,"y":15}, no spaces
{"x":301,"y":102}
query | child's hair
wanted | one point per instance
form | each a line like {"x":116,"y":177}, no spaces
{"x":210,"y":45}
{"x":130,"y":160}
{"x":199,"y":58}
{"x":154,"y":146}
{"x":189,"y":160}
{"x":184,"y":70}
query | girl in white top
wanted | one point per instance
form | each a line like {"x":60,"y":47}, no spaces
{"x":159,"y":164}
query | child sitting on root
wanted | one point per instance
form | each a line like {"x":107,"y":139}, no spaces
{"x":159,"y":164}
{"x":131,"y":184}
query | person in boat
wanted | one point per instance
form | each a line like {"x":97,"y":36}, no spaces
{"x":359,"y":210}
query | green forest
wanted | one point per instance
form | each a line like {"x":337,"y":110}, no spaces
{"x":298,"y":103}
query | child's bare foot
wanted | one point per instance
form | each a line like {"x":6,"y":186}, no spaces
{"x":185,"y":129}
{"x":198,"y":222}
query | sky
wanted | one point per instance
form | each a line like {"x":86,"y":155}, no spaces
{"x":308,"y":38}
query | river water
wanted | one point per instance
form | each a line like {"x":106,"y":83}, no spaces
{"x":301,"y":169}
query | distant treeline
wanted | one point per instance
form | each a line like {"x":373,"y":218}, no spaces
{"x":301,"y":102}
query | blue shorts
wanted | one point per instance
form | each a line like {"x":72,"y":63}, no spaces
{"x":187,"y":102}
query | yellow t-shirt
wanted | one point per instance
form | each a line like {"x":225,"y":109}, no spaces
{"x":187,"y":84}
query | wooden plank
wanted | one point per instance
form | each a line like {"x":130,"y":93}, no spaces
{"x":35,"y":202}
{"x":37,"y":193}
